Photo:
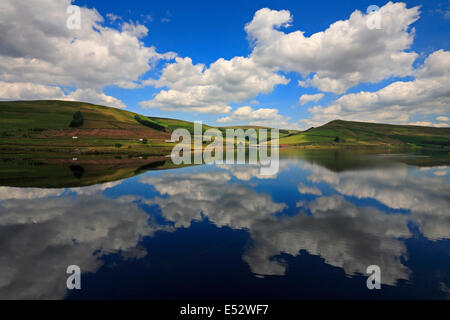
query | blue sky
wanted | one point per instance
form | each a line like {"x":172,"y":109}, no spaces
{"x":206,"y":31}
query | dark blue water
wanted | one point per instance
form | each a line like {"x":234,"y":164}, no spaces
{"x":227,"y":232}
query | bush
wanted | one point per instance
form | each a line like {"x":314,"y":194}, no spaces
{"x":149,"y":124}
{"x":77,"y":120}
{"x":118,"y":145}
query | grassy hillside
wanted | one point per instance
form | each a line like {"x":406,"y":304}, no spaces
{"x":57,"y":115}
{"x":49,"y":126}
{"x":46,"y":126}
{"x":352,"y":134}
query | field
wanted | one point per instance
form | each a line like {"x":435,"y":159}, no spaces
{"x":343,"y":134}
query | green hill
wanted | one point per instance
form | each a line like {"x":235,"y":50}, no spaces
{"x":49,"y":127}
{"x":341,"y":133}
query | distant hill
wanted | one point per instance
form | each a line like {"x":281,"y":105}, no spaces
{"x":341,"y":133}
{"x":61,"y":127}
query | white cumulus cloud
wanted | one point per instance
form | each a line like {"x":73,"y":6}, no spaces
{"x":196,"y":88}
{"x":255,"y":117}
{"x":304,"y":99}
{"x":344,"y":54}
{"x":428,"y":93}
{"x":37,"y":50}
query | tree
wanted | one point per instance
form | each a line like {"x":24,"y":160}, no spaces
{"x":150,"y":124}
{"x":77,"y":121}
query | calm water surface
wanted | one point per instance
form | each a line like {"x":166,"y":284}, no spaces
{"x":225,"y":231}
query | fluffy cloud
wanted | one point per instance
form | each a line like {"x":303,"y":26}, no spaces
{"x":425,"y":196}
{"x":308,"y":190}
{"x":29,"y":91}
{"x":340,"y":57}
{"x":209,"y":90}
{"x":246,"y":172}
{"x":343,"y":234}
{"x":39,"y":56}
{"x":428,"y":93}
{"x":304,"y":99}
{"x":39,"y":52}
{"x":428,"y":124}
{"x":39,"y":239}
{"x":93,"y":96}
{"x":191,"y":196}
{"x":10,"y":193}
{"x":33,"y":91}
{"x":254,"y":117}
{"x":28,"y":193}
{"x":343,"y":55}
